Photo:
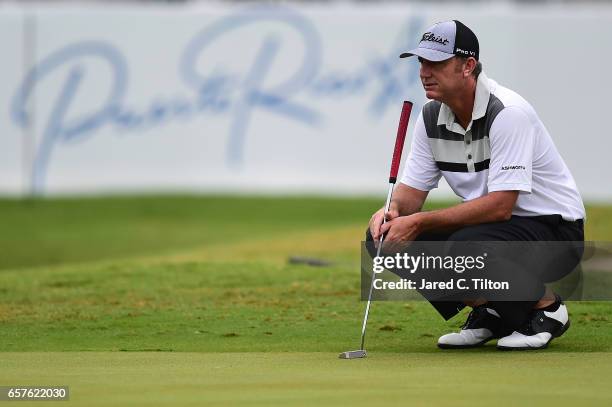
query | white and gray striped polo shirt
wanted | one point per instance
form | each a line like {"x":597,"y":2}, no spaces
{"x":504,"y":148}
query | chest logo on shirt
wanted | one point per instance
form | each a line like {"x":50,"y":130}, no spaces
{"x":512,"y":167}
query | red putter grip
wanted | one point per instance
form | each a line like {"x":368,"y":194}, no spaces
{"x":399,"y":141}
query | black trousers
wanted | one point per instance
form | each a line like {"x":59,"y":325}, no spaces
{"x":549,"y":228}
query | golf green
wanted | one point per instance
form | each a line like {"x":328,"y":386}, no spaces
{"x":307,"y":379}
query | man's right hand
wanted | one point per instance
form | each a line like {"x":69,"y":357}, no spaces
{"x":377,"y":219}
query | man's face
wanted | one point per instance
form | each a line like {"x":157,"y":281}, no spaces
{"x":441,"y":80}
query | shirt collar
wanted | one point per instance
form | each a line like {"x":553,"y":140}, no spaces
{"x":481,"y":101}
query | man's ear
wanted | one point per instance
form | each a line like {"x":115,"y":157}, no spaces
{"x":470,"y":65}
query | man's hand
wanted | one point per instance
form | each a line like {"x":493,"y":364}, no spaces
{"x":402,"y":229}
{"x":377,"y":219}
{"x":406,"y":200}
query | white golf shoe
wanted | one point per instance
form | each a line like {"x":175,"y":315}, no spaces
{"x":538,"y":331}
{"x":482,"y":325}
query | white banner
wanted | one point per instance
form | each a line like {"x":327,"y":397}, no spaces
{"x":268,"y":98}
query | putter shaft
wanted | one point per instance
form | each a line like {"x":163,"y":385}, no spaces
{"x":380,"y":241}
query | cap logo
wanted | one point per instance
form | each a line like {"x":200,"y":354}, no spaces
{"x":465,"y":52}
{"x":429,"y":36}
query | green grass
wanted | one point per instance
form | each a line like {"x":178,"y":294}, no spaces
{"x":190,"y":300}
{"x":48,"y":232}
{"x":307,"y":379}
{"x":225,"y":306}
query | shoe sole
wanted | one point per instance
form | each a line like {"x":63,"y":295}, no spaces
{"x":555,"y":335}
{"x":448,"y":346}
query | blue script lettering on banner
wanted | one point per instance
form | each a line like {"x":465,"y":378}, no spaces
{"x":214,"y":93}
{"x":251,"y":93}
{"x":57,"y":128}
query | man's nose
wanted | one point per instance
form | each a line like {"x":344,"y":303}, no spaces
{"x":425,"y":72}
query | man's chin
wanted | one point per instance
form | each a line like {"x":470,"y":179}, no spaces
{"x":429,"y":94}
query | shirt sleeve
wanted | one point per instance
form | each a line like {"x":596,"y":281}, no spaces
{"x":420,"y":169}
{"x":512,"y":138}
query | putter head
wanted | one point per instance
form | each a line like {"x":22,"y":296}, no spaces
{"x":353,"y":354}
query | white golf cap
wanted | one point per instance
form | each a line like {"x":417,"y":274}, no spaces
{"x":445,"y":40}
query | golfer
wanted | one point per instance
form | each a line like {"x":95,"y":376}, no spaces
{"x":497,"y":156}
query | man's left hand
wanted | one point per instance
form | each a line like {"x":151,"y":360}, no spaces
{"x":402,"y":229}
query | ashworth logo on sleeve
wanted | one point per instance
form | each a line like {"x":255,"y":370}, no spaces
{"x":512,"y":167}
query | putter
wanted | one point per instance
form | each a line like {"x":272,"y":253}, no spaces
{"x":395,"y":163}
